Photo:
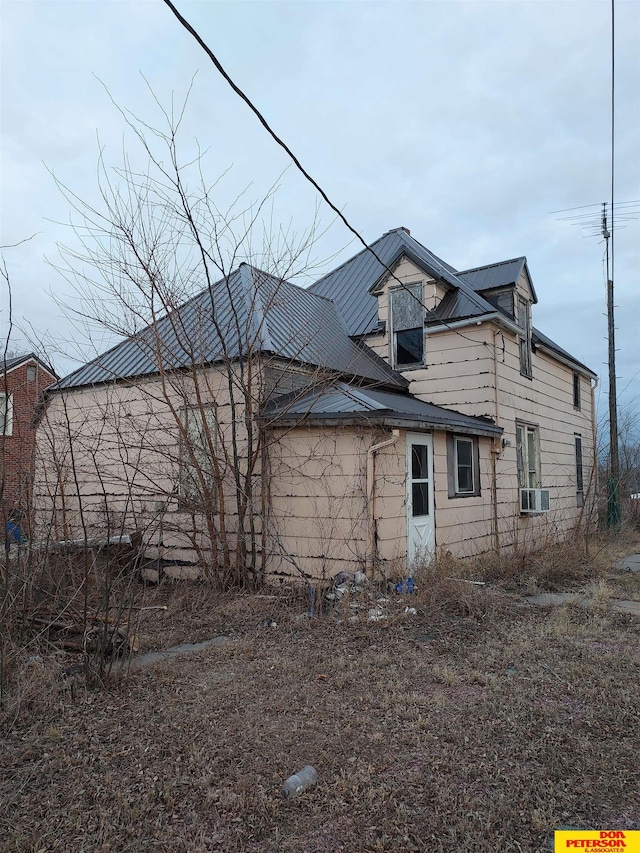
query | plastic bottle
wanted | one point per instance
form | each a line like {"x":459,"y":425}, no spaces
{"x":299,"y":782}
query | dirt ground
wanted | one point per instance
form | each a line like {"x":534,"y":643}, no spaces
{"x":479,"y":723}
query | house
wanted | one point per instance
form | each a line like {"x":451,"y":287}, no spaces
{"x":394,"y":408}
{"x":23,"y":380}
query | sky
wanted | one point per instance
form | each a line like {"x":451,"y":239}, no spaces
{"x":470,"y":123}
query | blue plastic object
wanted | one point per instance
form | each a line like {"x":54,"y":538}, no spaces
{"x":407,"y":585}
{"x":14,"y":534}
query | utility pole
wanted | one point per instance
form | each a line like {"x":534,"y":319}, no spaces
{"x":613,"y":504}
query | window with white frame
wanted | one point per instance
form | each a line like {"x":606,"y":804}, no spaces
{"x":463,"y":466}
{"x":6,"y":414}
{"x":528,"y":454}
{"x":198,"y":440}
{"x":524,"y":321}
{"x":579,"y":470}
{"x":407,"y":325}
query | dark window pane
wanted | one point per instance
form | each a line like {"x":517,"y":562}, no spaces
{"x":410,"y":347}
{"x":465,"y":478}
{"x":464,"y":461}
{"x":579,"y":475}
{"x":420,"y":499}
{"x":464,"y":453}
{"x":419,"y":458}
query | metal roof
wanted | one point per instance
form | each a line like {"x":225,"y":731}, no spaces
{"x":249,"y":311}
{"x":349,"y":285}
{"x":456,"y":305}
{"x":494,"y":275}
{"x":538,"y":338}
{"x":343,"y":401}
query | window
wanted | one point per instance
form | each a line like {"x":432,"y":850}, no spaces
{"x":6,"y":414}
{"x":463,"y":466}
{"x":524,"y":321}
{"x":576,"y":390}
{"x":528,"y":454}
{"x":407,"y":325}
{"x":31,"y":373}
{"x":409,"y":347}
{"x":197,"y":450}
{"x":501,"y":298}
{"x":579,"y":471}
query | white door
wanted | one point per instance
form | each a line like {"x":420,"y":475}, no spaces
{"x":420,"y":520}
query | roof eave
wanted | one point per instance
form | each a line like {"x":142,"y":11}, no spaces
{"x":384,"y":419}
{"x":14,"y":365}
{"x":477,"y":320}
{"x":574,"y":365}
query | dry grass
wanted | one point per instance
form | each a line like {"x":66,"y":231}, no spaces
{"x":479,"y":723}
{"x":557,"y":565}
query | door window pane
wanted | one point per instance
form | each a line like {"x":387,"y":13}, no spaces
{"x":420,"y":499}
{"x":419,"y":458}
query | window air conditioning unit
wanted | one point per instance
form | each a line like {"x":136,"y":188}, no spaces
{"x":534,"y":501}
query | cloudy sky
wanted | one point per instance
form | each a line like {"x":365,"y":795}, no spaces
{"x":467,"y":122}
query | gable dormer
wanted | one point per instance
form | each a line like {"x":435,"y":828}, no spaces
{"x":502,"y":284}
{"x":508,"y":287}
{"x":406,"y":300}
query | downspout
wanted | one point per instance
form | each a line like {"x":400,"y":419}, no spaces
{"x":371,"y":497}
{"x":495,"y":447}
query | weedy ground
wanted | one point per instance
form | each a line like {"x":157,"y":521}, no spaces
{"x":481,"y":723}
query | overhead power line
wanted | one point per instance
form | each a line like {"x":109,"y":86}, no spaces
{"x":301,"y":168}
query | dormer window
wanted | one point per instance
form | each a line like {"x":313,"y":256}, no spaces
{"x":501,"y":298}
{"x":407,"y":325}
{"x":524,"y":321}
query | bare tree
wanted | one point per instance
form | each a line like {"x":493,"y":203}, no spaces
{"x":177,"y":443}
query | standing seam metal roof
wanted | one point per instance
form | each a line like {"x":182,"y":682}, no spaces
{"x":348,"y":286}
{"x":494,"y":275}
{"x":249,"y":310}
{"x":343,"y":401}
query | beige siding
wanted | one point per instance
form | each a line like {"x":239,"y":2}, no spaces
{"x":318,"y":513}
{"x":459,"y":371}
{"x":464,"y":525}
{"x":109,"y":462}
{"x":476,"y":370}
{"x":545,"y":401}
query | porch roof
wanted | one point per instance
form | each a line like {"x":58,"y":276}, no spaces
{"x":341,"y":402}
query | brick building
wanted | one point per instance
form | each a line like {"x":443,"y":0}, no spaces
{"x":22,"y":382}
